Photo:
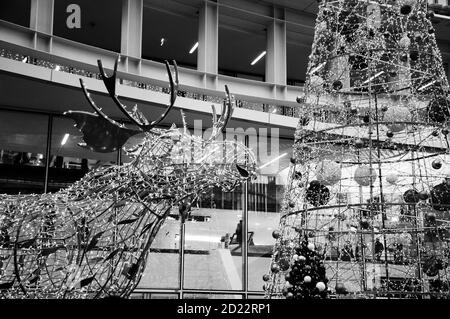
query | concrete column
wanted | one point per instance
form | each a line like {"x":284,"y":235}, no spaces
{"x":41,"y":20}
{"x":208,"y":38}
{"x":276,"y":50}
{"x":131,"y":36}
{"x":41,"y":16}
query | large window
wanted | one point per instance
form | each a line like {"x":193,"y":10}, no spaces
{"x":23,"y":140}
{"x":242,"y":39}
{"x":17,"y":11}
{"x":96,"y":23}
{"x":169,"y":32}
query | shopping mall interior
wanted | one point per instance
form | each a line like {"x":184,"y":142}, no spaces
{"x":259,"y":49}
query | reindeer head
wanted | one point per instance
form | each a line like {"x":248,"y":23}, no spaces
{"x":210,"y":162}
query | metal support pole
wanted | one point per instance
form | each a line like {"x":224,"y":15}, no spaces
{"x":244,"y":239}
{"x":48,"y":151}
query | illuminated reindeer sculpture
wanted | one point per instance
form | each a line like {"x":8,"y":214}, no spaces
{"x":92,"y":239}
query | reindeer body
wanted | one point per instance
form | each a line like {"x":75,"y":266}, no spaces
{"x":92,"y":239}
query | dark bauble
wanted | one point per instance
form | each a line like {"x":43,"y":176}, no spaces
{"x":438,"y":109}
{"x":440,"y":197}
{"x":359,"y":143}
{"x":291,"y":204}
{"x":276,"y":234}
{"x":411,"y":196}
{"x":392,"y":74}
{"x":364,"y":224}
{"x":317,"y":194}
{"x":266,"y":277}
{"x":284,"y":263}
{"x":435,"y":133}
{"x":430,"y":14}
{"x":389,"y":134}
{"x":340,"y":289}
{"x":405,"y":9}
{"x":275,"y":268}
{"x":337,"y":85}
{"x":431,"y":266}
{"x":431,"y":30}
{"x":445,"y":131}
{"x":297,"y":175}
{"x":430,"y":217}
{"x":436,"y":164}
{"x":366,"y":118}
{"x":423,"y":195}
{"x":300,"y":99}
{"x":404,"y":58}
{"x":414,"y":55}
{"x":293,"y":160}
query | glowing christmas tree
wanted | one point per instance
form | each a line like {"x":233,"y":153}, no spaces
{"x":369,"y":182}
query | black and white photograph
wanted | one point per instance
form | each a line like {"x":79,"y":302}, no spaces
{"x":260,"y":153}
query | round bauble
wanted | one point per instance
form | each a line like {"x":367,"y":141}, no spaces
{"x":430,"y":217}
{"x":440,"y":197}
{"x":405,"y":9}
{"x":321,"y":286}
{"x":359,"y":143}
{"x":405,"y":42}
{"x":317,"y":194}
{"x":301,"y":258}
{"x":307,"y":279}
{"x":291,"y":204}
{"x":337,"y":85}
{"x":284,"y":263}
{"x":328,"y":172}
{"x":390,"y":134}
{"x":276,"y":234}
{"x":297,"y":175}
{"x":275,"y":268}
{"x":365,"y":176}
{"x":414,"y":55}
{"x":289,"y":295}
{"x":411,"y":196}
{"x":423,"y":195}
{"x":438,"y":109}
{"x":266,"y":277}
{"x":396,"y":114}
{"x":340,"y":289}
{"x":392,"y":178}
{"x":311,"y":246}
{"x":316,"y":81}
{"x":437,"y":163}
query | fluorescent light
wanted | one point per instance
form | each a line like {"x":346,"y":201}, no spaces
{"x":25,"y":59}
{"x":194,"y":48}
{"x":162,"y":41}
{"x":274,"y":111}
{"x":373,"y":77}
{"x":57,"y":68}
{"x":426,"y":85}
{"x":259,"y":57}
{"x":65,"y":138}
{"x":274,"y":160}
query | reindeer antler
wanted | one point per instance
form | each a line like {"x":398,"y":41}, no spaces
{"x":219,"y":125}
{"x":110,"y":84}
